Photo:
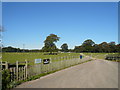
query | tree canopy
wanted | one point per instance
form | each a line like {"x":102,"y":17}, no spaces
{"x":64,"y":47}
{"x":88,"y":42}
{"x":49,"y":43}
{"x":104,"y":47}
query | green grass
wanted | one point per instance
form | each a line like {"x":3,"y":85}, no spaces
{"x":21,"y":57}
{"x":98,"y":55}
{"x":31,"y":56}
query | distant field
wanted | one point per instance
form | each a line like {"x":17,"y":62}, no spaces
{"x":98,"y":55}
{"x":13,"y":57}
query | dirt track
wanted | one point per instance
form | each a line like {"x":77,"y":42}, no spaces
{"x":93,"y":74}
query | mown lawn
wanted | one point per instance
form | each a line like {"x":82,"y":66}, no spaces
{"x":13,"y":57}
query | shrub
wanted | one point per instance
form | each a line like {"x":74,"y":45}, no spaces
{"x":5,"y":79}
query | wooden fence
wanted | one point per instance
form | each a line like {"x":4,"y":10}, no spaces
{"x":18,"y":71}
{"x":22,"y":70}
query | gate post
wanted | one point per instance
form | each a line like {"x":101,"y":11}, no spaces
{"x":6,"y":66}
{"x":17,"y":70}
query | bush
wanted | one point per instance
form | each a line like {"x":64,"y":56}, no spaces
{"x":5,"y":79}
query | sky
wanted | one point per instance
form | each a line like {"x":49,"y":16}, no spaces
{"x":29,"y":23}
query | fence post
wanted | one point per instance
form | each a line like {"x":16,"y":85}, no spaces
{"x":17,"y":70}
{"x":26,"y":65}
{"x":50,"y":60}
{"x":14,"y":70}
{"x":6,"y":66}
{"x":50,"y":68}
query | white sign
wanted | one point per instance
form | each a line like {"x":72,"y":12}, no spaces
{"x":38,"y":60}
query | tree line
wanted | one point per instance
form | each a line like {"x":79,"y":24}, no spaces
{"x":87,"y":46}
{"x":104,"y":47}
{"x":12,"y":49}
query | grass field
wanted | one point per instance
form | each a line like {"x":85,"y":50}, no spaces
{"x":13,"y":57}
{"x":98,"y":55}
{"x":31,"y":56}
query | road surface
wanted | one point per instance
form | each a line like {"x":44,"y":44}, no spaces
{"x":93,"y":74}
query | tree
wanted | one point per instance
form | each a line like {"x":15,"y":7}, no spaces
{"x":64,"y":47}
{"x":49,"y":43}
{"x":104,"y":47}
{"x":79,"y":49}
{"x":118,"y":48}
{"x":87,"y":45}
{"x":96,"y":48}
{"x":88,"y":42}
{"x":112,"y":47}
{"x":10,"y":49}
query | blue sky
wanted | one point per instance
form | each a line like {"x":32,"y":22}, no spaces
{"x":30,"y":23}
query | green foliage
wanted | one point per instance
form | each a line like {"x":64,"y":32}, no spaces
{"x":87,"y":46}
{"x":64,"y":47}
{"x":5,"y":79}
{"x":118,"y":48}
{"x":49,"y":43}
{"x":104,"y":47}
{"x":52,"y":38}
{"x":88,"y":42}
{"x":12,"y":49}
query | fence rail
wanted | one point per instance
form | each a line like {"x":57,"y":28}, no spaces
{"x":22,"y":72}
